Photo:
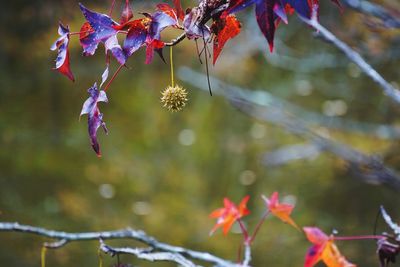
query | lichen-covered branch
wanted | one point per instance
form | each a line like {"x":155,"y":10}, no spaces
{"x":159,"y":251}
{"x":147,"y":254}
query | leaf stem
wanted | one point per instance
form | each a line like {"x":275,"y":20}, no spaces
{"x":43,"y":256}
{"x":79,"y":33}
{"x":113,"y":77}
{"x":172,"y":66}
{"x":258,"y":226}
{"x":362,"y":237}
{"x":244,"y":231}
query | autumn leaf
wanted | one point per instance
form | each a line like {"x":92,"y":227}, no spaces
{"x":229,"y":214}
{"x":95,"y":118}
{"x":100,"y":28}
{"x":62,"y":61}
{"x":280,"y":210}
{"x":323,"y":249}
{"x":179,"y":10}
{"x":224,"y":29}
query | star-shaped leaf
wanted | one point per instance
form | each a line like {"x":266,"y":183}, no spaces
{"x":323,"y":249}
{"x":280,"y":210}
{"x":229,"y":214}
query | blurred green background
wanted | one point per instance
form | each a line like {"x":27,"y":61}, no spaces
{"x":165,"y":172}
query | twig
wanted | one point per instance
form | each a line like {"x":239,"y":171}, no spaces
{"x":177,"y":40}
{"x":117,"y":234}
{"x":247,"y":255}
{"x":355,"y":57}
{"x":147,"y":254}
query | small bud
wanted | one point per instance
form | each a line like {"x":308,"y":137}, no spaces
{"x":174,"y":98}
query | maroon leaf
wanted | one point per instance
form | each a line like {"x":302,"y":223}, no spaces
{"x":266,"y":21}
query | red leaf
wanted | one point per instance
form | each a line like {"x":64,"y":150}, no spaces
{"x":229,"y":214}
{"x":179,"y":10}
{"x":280,"y":210}
{"x":323,"y":249}
{"x":224,"y":29}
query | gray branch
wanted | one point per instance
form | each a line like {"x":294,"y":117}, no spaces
{"x":355,"y":57}
{"x":163,"y":251}
{"x":147,"y":254}
{"x":368,"y":167}
{"x":368,"y":8}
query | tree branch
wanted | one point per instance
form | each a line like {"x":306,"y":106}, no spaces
{"x":370,"y":168}
{"x":147,"y":254}
{"x":368,"y":8}
{"x":165,"y":251}
{"x":388,"y":89}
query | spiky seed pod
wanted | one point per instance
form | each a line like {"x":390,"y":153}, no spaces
{"x":174,"y":98}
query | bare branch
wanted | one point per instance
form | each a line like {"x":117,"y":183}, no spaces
{"x":388,"y":89}
{"x":368,"y":8}
{"x":177,"y":40}
{"x":370,"y":168}
{"x":141,"y":236}
{"x":147,"y":254}
{"x":395,"y":227}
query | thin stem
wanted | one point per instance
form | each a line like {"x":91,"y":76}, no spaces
{"x":244,"y":231}
{"x":43,"y":256}
{"x":207,"y":70}
{"x":363,"y":237}
{"x":79,"y":33}
{"x":113,"y":77}
{"x":177,"y":40}
{"x":172,"y":66}
{"x":100,"y":257}
{"x":258,"y":226}
{"x":239,"y":255}
{"x":112,"y":8}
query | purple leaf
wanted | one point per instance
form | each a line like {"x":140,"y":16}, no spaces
{"x":160,"y":21}
{"x":88,"y":40}
{"x":95,"y":96}
{"x":62,"y":60}
{"x":135,"y":39}
{"x":112,"y":45}
{"x":239,"y":5}
{"x":95,"y":118}
{"x":302,"y":7}
{"x":266,"y":21}
{"x":102,"y":25}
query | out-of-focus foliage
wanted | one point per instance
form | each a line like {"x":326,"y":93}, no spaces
{"x":164,"y":172}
